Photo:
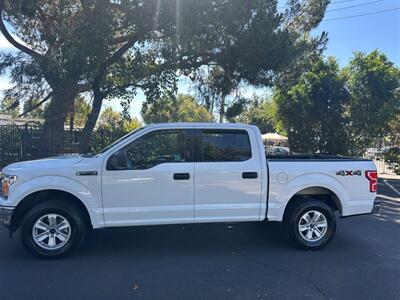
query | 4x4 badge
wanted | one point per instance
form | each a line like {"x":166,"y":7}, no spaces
{"x":349,"y":173}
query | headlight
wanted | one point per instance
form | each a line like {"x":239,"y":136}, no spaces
{"x":6,"y":182}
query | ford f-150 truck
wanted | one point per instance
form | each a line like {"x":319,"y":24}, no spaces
{"x":182,"y":173}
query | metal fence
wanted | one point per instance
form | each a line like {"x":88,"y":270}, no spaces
{"x":19,"y":143}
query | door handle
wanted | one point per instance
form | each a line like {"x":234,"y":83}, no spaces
{"x":249,"y":175}
{"x":181,"y":176}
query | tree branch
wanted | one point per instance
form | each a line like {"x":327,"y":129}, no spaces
{"x":109,"y":91}
{"x":121,"y":51}
{"x":116,"y":56}
{"x":13,"y":42}
{"x":85,"y":87}
{"x":47,"y":26}
{"x":121,"y":39}
{"x":37,"y":105}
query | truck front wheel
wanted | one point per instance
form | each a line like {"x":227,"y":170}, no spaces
{"x":311,"y":224}
{"x":52,"y":229}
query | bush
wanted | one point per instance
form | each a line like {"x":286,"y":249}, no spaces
{"x":392,"y":158}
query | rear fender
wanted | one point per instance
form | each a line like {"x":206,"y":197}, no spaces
{"x":296,"y":185}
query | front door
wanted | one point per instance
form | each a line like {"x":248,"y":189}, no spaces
{"x":227,"y":176}
{"x":150,"y":181}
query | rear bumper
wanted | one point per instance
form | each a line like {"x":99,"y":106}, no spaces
{"x":6,"y":215}
{"x":370,"y":211}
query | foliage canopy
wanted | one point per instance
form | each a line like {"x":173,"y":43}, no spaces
{"x":182,"y":108}
{"x":111,"y":48}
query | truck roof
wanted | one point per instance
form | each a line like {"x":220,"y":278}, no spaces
{"x":203,"y":125}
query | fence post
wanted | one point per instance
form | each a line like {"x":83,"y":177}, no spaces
{"x":25,"y":141}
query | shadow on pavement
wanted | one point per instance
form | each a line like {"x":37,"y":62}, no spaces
{"x":390,"y":201}
{"x":198,"y":239}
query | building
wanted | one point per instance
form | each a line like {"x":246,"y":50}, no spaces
{"x":8,"y":119}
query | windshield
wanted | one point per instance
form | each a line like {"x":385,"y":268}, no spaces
{"x":120,"y":140}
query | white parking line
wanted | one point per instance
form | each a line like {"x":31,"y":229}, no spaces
{"x":392,"y":187}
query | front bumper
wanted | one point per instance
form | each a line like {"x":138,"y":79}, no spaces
{"x":5,"y":215}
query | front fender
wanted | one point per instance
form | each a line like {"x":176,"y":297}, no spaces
{"x":91,"y":200}
{"x":284,"y":192}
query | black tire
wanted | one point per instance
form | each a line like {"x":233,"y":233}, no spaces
{"x":76,"y":232}
{"x":294,"y":218}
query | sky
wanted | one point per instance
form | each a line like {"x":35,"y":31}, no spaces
{"x":352,"y":25}
{"x":364,"y":33}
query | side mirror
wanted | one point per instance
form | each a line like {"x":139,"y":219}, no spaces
{"x":118,"y":161}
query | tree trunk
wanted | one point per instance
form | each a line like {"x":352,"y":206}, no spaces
{"x":72,"y":117}
{"x":222,"y":110}
{"x":84,"y":143}
{"x":52,"y":139}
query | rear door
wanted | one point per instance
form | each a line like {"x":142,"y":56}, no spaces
{"x":227,"y":185}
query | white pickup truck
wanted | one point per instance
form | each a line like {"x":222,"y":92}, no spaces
{"x":182,"y":173}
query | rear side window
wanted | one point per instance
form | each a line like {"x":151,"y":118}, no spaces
{"x":224,"y":145}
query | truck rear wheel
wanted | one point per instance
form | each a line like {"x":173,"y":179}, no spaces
{"x":52,"y":229}
{"x":311,"y":224}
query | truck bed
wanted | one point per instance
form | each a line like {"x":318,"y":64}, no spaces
{"x":314,"y":157}
{"x":344,"y":178}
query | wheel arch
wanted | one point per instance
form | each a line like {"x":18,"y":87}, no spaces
{"x":312,"y":184}
{"x":37,"y":197}
{"x":319,"y":193}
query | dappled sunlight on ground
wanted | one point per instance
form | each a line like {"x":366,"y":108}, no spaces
{"x":390,"y":209}
{"x":389,"y":195}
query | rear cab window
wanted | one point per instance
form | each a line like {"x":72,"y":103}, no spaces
{"x":226,"y":145}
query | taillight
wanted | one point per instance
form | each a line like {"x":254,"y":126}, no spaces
{"x":372,"y":177}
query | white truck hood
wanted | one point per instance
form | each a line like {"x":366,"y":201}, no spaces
{"x":56,"y":162}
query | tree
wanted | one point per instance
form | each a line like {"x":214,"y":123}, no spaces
{"x":33,"y":109}
{"x":261,"y":53}
{"x":392,"y":158}
{"x":182,"y":108}
{"x":214,"y":87}
{"x":312,"y":112}
{"x":63,"y":43}
{"x":111,"y":120}
{"x":392,"y":155}
{"x":9,"y":106}
{"x":114,"y":47}
{"x":393,"y":135}
{"x":131,"y":124}
{"x":260,"y":113}
{"x":78,"y":114}
{"x":111,"y":126}
{"x":237,"y":108}
{"x":373,"y":82}
{"x":68,"y":47}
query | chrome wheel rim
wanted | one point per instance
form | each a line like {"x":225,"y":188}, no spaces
{"x":313,"y":226}
{"x":51,"y":231}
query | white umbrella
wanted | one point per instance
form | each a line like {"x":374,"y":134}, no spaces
{"x":274,"y":137}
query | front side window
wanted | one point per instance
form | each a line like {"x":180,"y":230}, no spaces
{"x":224,"y":145}
{"x":152,"y":149}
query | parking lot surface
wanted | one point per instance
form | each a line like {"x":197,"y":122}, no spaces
{"x":216,"y":261}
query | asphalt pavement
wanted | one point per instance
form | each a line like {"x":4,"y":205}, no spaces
{"x":216,"y":261}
